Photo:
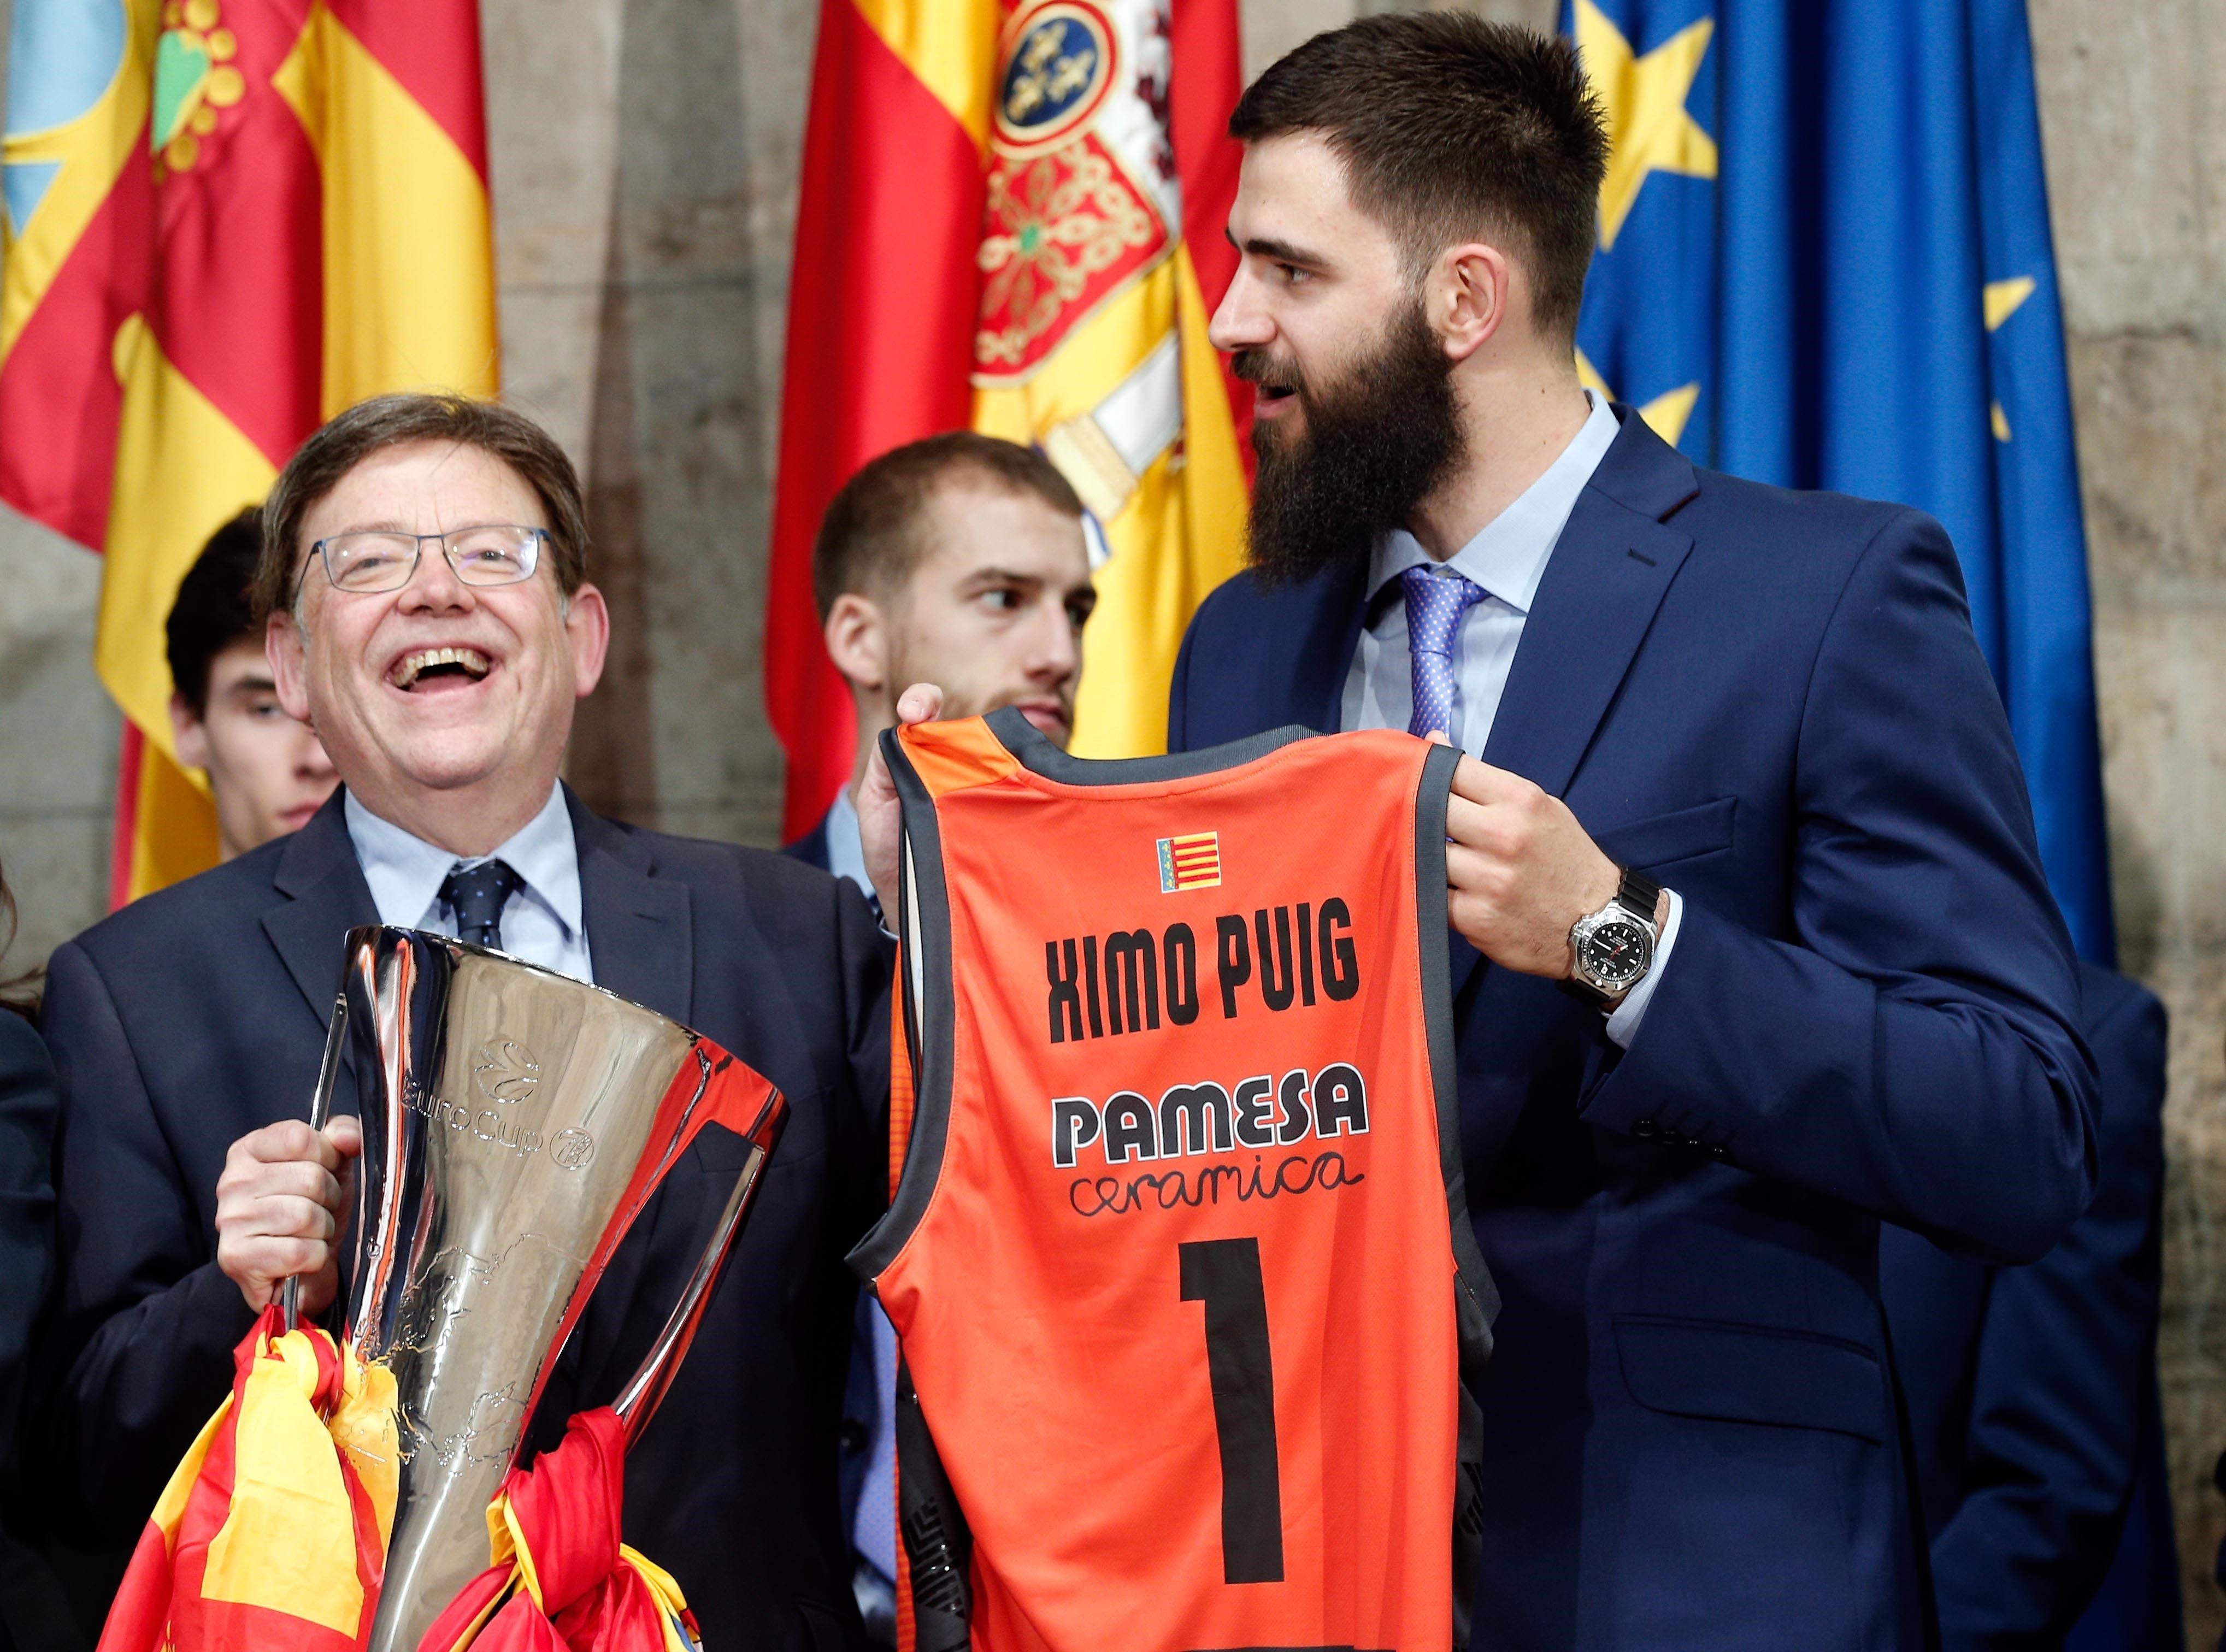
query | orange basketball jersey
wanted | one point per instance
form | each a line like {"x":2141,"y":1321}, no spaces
{"x":1179,"y":1258}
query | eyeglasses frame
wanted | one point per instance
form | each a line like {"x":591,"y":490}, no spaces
{"x":541,"y":538}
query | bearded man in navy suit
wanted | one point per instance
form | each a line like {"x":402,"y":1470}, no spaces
{"x":424,"y":576}
{"x":1754,"y":947}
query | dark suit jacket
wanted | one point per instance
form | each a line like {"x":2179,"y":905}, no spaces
{"x":27,"y":1206}
{"x":197,"y":1014}
{"x":811,"y":848}
{"x":2033,"y":1391}
{"x":1775,"y":704}
{"x":860,"y":1402}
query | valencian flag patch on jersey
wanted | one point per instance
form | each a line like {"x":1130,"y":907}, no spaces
{"x":1189,"y":1309}
{"x":1192,"y":861}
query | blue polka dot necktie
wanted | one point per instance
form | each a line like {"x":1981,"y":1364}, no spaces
{"x":1436,"y":601}
{"x":477,"y":895}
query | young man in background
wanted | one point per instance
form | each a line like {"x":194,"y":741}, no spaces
{"x":958,"y":560}
{"x":267,"y":773}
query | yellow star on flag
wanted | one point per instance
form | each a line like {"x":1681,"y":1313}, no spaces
{"x":1643,"y":97}
{"x":1999,"y":301}
{"x":1665,"y":415}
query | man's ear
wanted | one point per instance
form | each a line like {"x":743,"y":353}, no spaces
{"x":857,"y":634}
{"x":1467,"y":295}
{"x":289,"y":665}
{"x":190,"y":733}
{"x":588,"y":623}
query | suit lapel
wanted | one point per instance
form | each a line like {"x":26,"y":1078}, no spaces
{"x":1609,"y":571}
{"x":327,"y":896}
{"x":641,"y":932}
{"x":1326,"y":637}
{"x":1608,"y":574}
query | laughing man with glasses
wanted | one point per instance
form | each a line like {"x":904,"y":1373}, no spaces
{"x":424,"y":577}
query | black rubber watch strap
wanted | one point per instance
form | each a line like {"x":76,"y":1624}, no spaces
{"x":1639,"y":894}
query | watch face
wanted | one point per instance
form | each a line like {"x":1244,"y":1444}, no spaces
{"x":1615,"y":954}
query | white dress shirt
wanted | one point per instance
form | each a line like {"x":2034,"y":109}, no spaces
{"x":1506,"y":560}
{"x":542,"y":923}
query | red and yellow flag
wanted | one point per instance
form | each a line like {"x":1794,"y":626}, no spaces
{"x":561,"y":1580}
{"x":1012,"y":218}
{"x":271,"y":1535}
{"x":226,"y":220}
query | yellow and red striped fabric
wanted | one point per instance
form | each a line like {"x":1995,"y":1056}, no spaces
{"x":560,"y":1580}
{"x":271,"y":1535}
{"x":226,"y":220}
{"x":1012,"y":219}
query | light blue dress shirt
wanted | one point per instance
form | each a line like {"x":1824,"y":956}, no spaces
{"x":1507,"y":559}
{"x":542,"y":923}
{"x":846,"y":846}
{"x":872,"y":1532}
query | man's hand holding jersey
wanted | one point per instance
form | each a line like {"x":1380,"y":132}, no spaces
{"x":881,"y":820}
{"x":1520,"y":871}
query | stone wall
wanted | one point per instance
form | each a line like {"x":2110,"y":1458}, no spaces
{"x":645,"y":159}
{"x":2133,"y":114}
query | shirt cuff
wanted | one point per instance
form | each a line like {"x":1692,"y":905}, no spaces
{"x":1623,"y":1025}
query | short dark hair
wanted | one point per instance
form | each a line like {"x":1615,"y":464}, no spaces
{"x":349,"y":438}
{"x":1448,"y":124}
{"x":215,"y":605}
{"x":869,"y":540}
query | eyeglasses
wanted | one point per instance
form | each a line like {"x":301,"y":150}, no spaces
{"x":360,"y":563}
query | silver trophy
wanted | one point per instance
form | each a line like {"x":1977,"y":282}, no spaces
{"x":515,"y":1121}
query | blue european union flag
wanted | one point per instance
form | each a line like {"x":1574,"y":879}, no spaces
{"x":1824,"y":262}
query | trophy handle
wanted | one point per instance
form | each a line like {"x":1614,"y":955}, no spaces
{"x":638,"y":1401}
{"x":711,"y":1088}
{"x":321,"y":1112}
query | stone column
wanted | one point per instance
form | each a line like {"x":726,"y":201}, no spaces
{"x":2132,"y":115}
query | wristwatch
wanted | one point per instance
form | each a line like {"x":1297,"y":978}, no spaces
{"x":1614,"y":946}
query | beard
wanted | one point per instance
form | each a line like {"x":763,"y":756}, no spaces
{"x":1373,"y":444}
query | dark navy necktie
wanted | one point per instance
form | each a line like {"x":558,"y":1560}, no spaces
{"x":477,"y":895}
{"x":1436,"y":601}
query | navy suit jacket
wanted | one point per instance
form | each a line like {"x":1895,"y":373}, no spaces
{"x":27,"y":1206}
{"x":1774,"y":703}
{"x":197,"y":1014}
{"x":811,"y":848}
{"x":861,"y":1403}
{"x":2033,"y":1391}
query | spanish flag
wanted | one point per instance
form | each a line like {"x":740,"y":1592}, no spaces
{"x":561,"y":1579}
{"x":271,"y":1535}
{"x":225,"y":221}
{"x":1012,"y":218}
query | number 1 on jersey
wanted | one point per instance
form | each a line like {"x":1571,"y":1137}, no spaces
{"x":1224,"y":1274}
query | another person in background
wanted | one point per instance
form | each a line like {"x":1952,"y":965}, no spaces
{"x":267,"y":772}
{"x":26,"y":1256}
{"x":961,"y":561}
{"x":424,"y":574}
{"x":2033,"y":1391}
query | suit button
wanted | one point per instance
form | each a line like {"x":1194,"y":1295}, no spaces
{"x":1721,"y":1152}
{"x":1644,"y":1129}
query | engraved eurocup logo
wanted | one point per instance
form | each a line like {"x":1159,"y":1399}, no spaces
{"x":504,"y":1070}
